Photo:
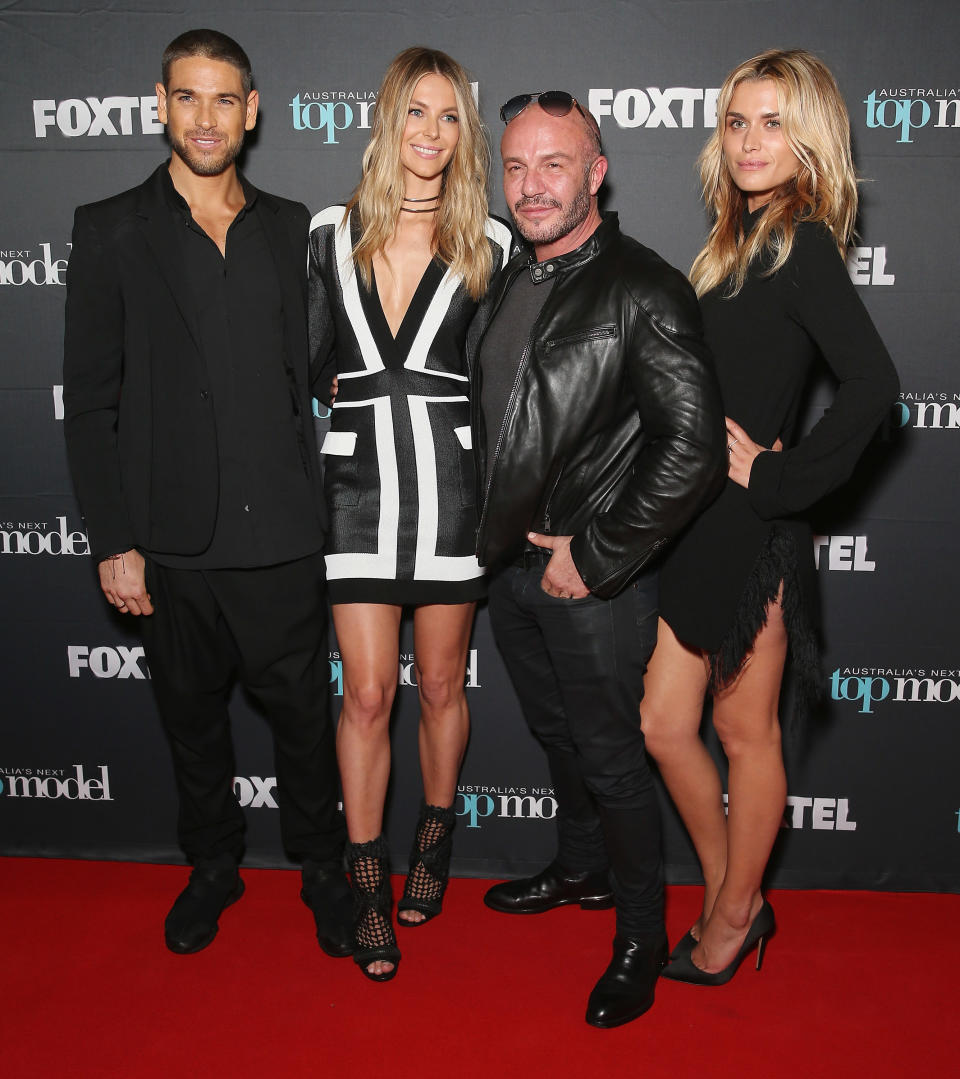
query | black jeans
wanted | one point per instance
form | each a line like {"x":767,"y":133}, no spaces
{"x":577,"y":668}
{"x":267,"y":628}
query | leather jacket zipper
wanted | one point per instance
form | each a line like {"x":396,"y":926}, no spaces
{"x":546,"y":512}
{"x":599,"y":333}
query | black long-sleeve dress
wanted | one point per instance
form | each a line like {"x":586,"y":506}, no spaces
{"x":398,"y":466}
{"x":723,"y":571}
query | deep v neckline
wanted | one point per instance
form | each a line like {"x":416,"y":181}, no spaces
{"x":400,"y":345}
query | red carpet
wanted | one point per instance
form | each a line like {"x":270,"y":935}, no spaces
{"x":853,"y":984}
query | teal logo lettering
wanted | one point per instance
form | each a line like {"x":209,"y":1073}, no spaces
{"x":865,"y":690}
{"x":475,"y":807}
{"x":336,"y":676}
{"x":329,"y":118}
{"x":906,"y":114}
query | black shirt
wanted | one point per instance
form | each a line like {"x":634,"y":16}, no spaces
{"x":502,"y":351}
{"x":265,"y":511}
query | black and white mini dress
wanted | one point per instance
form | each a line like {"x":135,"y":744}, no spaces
{"x":398,"y":463}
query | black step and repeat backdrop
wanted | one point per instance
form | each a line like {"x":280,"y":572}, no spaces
{"x":875,"y":788}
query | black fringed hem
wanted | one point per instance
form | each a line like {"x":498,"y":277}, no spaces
{"x":776,"y":563}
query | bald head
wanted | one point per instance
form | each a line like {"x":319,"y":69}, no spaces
{"x":582,"y":127}
{"x":552,"y":171}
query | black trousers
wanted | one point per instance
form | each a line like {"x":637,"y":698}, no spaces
{"x":267,"y":628}
{"x":577,"y":668}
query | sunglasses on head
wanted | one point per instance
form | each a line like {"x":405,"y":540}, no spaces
{"x":553,"y":102}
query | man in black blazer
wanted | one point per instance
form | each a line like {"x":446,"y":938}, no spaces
{"x":189,"y":432}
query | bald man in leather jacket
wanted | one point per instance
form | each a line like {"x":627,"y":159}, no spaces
{"x":600,"y":433}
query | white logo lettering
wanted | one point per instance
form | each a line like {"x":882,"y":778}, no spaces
{"x":654,"y":107}
{"x":255,"y":792}
{"x":107,"y":662}
{"x":843,"y":553}
{"x":118,"y":115}
{"x":407,"y":675}
{"x":921,"y":410}
{"x":827,"y":814}
{"x":76,"y":788}
{"x":868,"y":265}
{"x":35,"y":541}
{"x":22,"y":270}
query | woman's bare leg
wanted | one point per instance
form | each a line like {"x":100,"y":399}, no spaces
{"x":441,"y":635}
{"x":745,"y":715}
{"x":674,"y":688}
{"x":368,"y":635}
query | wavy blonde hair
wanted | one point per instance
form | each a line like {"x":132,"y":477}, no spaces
{"x":816,"y":127}
{"x":459,"y":235}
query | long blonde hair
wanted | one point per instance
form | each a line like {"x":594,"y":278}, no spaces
{"x":459,"y":238}
{"x":816,"y":127}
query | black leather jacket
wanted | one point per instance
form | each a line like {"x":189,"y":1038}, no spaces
{"x":614,"y":429}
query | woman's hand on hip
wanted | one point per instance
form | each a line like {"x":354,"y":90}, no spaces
{"x":743,"y":451}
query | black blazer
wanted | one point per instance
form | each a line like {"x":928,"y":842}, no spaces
{"x":138,"y":419}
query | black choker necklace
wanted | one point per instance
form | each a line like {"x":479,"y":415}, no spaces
{"x":409,"y":210}
{"x":433,"y":198}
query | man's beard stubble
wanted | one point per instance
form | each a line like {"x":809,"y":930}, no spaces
{"x":575,"y":213}
{"x":206,"y":164}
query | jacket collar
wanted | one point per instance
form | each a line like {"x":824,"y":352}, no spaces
{"x":156,"y":222}
{"x":157,"y":193}
{"x":154,"y":213}
{"x":175,"y":201}
{"x":544,"y":271}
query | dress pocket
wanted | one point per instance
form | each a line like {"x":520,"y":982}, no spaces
{"x":468,"y":479}
{"x":340,"y":482}
{"x":339,"y":443}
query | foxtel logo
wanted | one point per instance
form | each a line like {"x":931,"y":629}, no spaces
{"x":96,"y":116}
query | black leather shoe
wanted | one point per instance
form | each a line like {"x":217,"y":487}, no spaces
{"x":626,"y":989}
{"x":327,"y":893}
{"x":551,"y":887}
{"x":192,"y":922}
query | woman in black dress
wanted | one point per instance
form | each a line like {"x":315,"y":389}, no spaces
{"x":395,"y":277}
{"x":738,"y":592}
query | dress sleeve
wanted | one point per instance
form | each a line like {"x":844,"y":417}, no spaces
{"x":822,"y":299}
{"x":323,"y":334}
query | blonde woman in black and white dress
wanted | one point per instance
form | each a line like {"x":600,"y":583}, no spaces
{"x":395,"y":278}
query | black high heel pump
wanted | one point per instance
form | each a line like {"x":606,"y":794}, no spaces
{"x":684,"y":945}
{"x":683,"y":968}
